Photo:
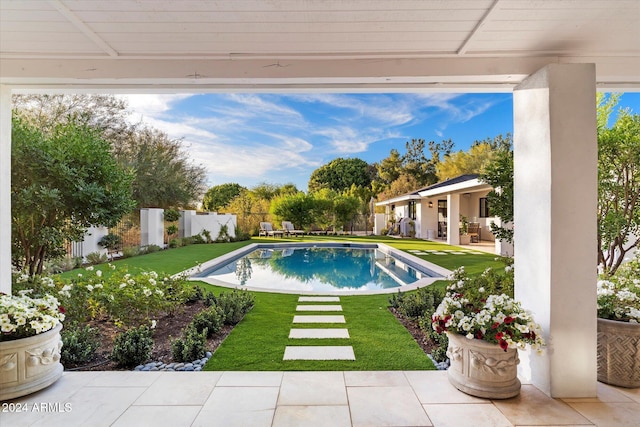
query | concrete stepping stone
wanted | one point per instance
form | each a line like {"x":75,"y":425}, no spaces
{"x":458,"y":253}
{"x":299,"y":352}
{"x":319,"y":308}
{"x":318,"y":319}
{"x":319,"y":333}
{"x":319,"y":299}
{"x":421,"y":253}
{"x":440,"y":253}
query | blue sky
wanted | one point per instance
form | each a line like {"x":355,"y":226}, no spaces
{"x":250,"y":138}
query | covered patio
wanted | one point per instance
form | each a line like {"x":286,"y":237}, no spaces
{"x":552,"y":56}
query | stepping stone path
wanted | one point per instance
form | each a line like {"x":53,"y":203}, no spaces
{"x":319,"y":352}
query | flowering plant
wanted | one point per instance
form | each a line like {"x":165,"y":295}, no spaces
{"x":23,"y":316}
{"x":619,"y":295}
{"x":480,"y":308}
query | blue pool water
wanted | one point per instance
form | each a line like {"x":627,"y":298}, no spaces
{"x":318,"y":269}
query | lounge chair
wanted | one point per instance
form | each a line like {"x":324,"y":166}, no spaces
{"x":266,"y":229}
{"x":289,"y":229}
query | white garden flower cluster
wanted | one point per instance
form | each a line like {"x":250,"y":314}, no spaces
{"x":468,"y":309}
{"x":617,"y":302}
{"x":22,"y":316}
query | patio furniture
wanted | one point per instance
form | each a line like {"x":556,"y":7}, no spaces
{"x":289,"y":229}
{"x":473,"y":230}
{"x":266,"y":229}
{"x":318,"y":231}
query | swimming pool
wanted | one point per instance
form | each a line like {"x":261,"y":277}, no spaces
{"x":320,"y":268}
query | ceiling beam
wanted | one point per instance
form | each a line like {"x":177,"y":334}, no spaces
{"x":463,"y":48}
{"x":84,"y":28}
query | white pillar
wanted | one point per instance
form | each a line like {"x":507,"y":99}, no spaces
{"x":152,"y":227}
{"x":555,"y":201}
{"x":5,"y":189}
{"x":184,"y":223}
{"x":453,"y":219}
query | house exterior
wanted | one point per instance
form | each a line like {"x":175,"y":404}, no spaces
{"x":432,"y":211}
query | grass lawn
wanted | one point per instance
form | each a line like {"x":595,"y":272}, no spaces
{"x":379,"y":341}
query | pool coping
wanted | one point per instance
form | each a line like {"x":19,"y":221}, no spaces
{"x":402,"y":256}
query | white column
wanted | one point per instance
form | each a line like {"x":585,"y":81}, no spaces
{"x":555,"y":158}
{"x":184,"y":223}
{"x":152,"y":227}
{"x":5,"y":189}
{"x":453,"y":219}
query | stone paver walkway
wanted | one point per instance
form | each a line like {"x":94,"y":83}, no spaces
{"x":318,"y":352}
{"x":279,"y":399}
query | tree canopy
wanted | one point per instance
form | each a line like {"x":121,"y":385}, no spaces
{"x":221,"y":195}
{"x":465,"y":162}
{"x":163,"y":174}
{"x":62,"y":182}
{"x":340,"y":174}
{"x":618,"y":183}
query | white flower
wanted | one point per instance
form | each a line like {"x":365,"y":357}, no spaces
{"x":99,"y":273}
{"x":481,"y":290}
{"x":123,"y":285}
{"x":89,"y":288}
{"x":147,"y":292}
{"x":153,"y":324}
{"x":90,"y":268}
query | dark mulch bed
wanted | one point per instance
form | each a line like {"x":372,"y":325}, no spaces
{"x":168,"y":328}
{"x":414,"y":329}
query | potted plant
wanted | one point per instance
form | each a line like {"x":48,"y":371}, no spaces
{"x":618,"y":325}
{"x":30,"y":343}
{"x":485,"y":327}
{"x":465,"y":239}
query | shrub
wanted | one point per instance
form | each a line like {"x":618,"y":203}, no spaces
{"x":149,"y":249}
{"x":130,"y":251}
{"x":417,"y":304}
{"x":60,"y":265}
{"x":234,"y":305}
{"x":209,"y":299}
{"x":208,"y":320}
{"x":132,"y":347}
{"x":197,"y":239}
{"x":441,"y":341}
{"x":206,"y":234}
{"x":174,"y":243}
{"x":191,"y":293}
{"x":171,"y":215}
{"x":79,"y":344}
{"x":192,"y":346}
{"x":97,"y":258}
{"x":172,"y":229}
{"x":111,"y":242}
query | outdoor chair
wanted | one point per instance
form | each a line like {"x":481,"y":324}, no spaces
{"x":473,"y":230}
{"x":289,"y":229}
{"x":266,"y":229}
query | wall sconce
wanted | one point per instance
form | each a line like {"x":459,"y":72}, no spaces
{"x":430,"y":205}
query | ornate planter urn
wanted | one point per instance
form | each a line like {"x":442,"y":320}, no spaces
{"x":30,"y":364}
{"x":619,"y":353}
{"x":482,"y":369}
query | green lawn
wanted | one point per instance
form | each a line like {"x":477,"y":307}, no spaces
{"x":379,"y":341}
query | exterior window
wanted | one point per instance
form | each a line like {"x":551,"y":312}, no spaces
{"x":412,"y":209}
{"x":484,"y":208}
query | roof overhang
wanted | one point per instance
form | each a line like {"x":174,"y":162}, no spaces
{"x":399,"y":199}
{"x":470,"y":186}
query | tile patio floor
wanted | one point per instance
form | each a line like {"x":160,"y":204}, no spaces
{"x":254,"y":399}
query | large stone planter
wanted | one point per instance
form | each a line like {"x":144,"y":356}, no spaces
{"x":482,"y":369}
{"x":619,"y":353}
{"x":30,"y":364}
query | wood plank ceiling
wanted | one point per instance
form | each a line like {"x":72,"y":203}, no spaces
{"x":332,"y":42}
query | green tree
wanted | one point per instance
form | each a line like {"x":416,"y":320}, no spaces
{"x":618,"y":183}
{"x":298,"y":208}
{"x":416,"y":163}
{"x":499,"y":174}
{"x":62,"y":183}
{"x":388,"y":170}
{"x":164,"y":176}
{"x":404,"y":184}
{"x":340,"y":174}
{"x":219,"y":196}
{"x":465,"y":162}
